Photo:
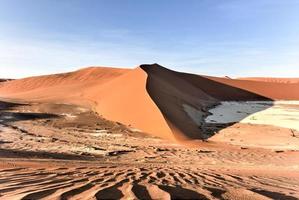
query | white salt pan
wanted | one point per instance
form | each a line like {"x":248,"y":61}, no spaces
{"x":279,"y":113}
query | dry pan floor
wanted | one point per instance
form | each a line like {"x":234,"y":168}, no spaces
{"x":51,"y":151}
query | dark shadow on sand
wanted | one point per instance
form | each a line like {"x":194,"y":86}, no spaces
{"x":5,"y":105}
{"x":7,"y":113}
{"x":13,"y":153}
{"x":177,"y":192}
{"x":274,"y":195}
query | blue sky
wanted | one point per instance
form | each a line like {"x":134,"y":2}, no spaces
{"x":212,"y":37}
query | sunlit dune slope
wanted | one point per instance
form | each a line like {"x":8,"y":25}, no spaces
{"x":64,"y":87}
{"x":271,"y":80}
{"x":151,"y":98}
{"x":90,"y":74}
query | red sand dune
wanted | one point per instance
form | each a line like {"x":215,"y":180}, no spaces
{"x":64,"y":87}
{"x":271,"y":80}
{"x":273,"y":90}
{"x":149,"y":97}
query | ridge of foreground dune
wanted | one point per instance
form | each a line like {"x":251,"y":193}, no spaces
{"x":151,"y":98}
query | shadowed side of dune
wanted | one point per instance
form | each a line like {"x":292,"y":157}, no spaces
{"x":179,"y":94}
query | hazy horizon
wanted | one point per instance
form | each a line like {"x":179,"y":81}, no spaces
{"x":217,"y":38}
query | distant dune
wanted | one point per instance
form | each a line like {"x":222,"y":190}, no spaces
{"x":151,"y":98}
{"x":271,"y":80}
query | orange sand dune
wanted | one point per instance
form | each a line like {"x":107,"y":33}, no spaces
{"x":61,"y":88}
{"x":272,"y":80}
{"x":126,"y":100}
{"x":90,"y":74}
{"x":150,"y":97}
{"x":272,"y":90}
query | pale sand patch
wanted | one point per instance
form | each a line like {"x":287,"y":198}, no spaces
{"x":104,"y":133}
{"x":8,"y":117}
{"x":279,"y":113}
{"x":256,"y":135}
{"x":69,"y":115}
{"x":135,"y":129}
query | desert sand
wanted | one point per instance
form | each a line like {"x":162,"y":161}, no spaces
{"x":271,"y":79}
{"x":147,"y":133}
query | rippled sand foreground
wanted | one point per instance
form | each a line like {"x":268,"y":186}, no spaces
{"x":58,"y":151}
